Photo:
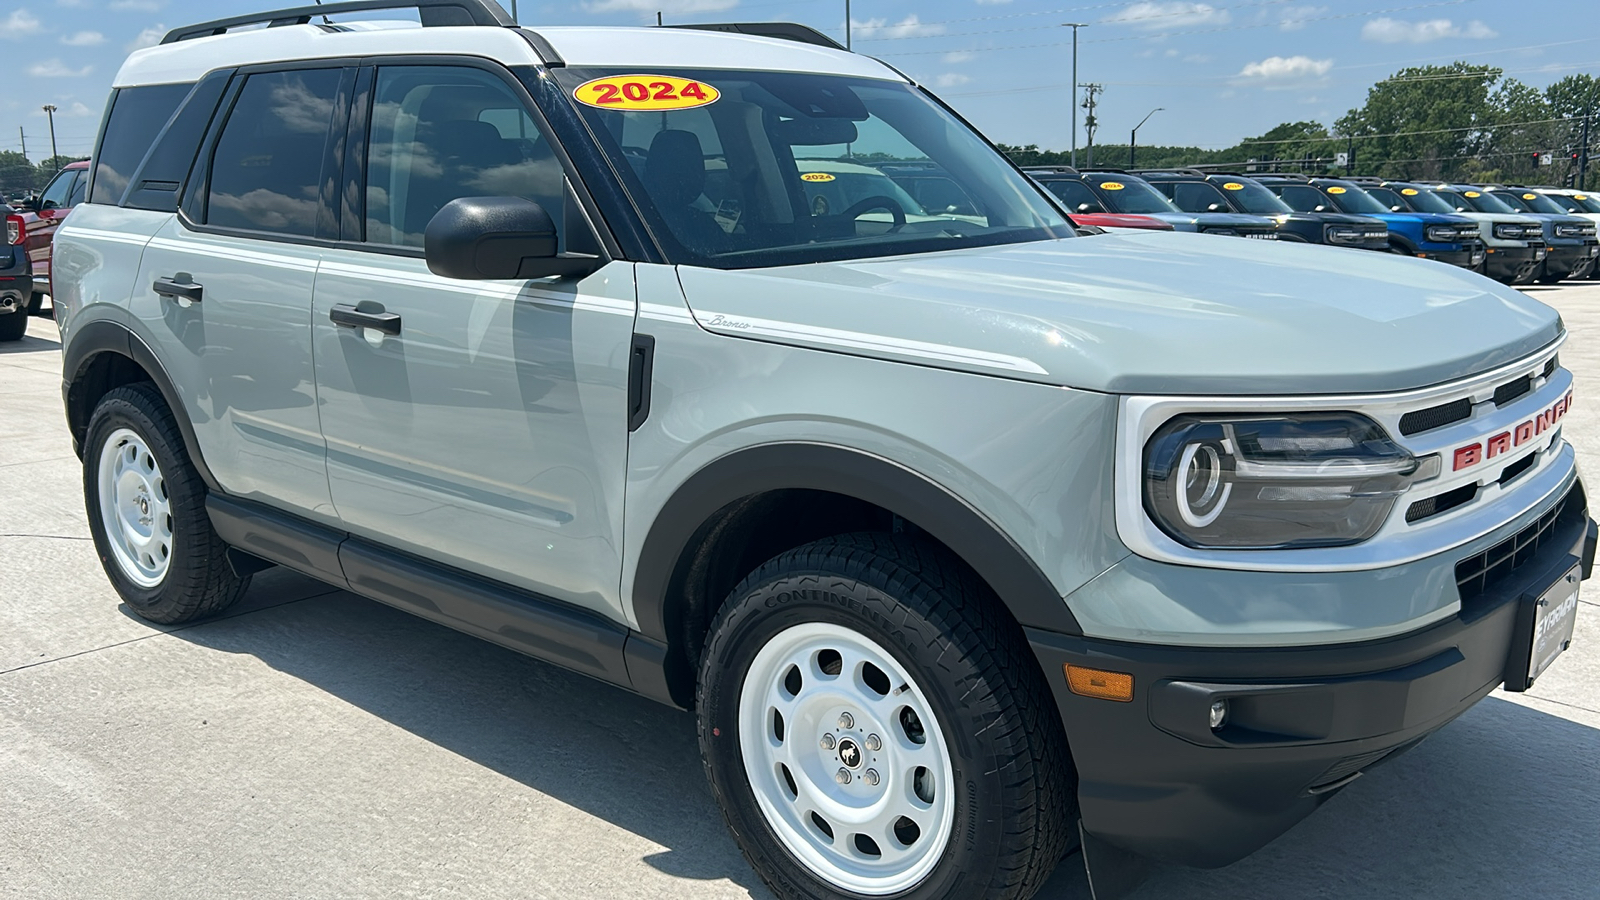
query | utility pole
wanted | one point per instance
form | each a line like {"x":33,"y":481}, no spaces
{"x":847,"y":24}
{"x":1133,"y":139}
{"x":1074,"y":26}
{"x":1089,"y":121}
{"x":1583,"y":155}
{"x":24,"y":135}
{"x":1350,"y":154}
{"x":50,"y":110}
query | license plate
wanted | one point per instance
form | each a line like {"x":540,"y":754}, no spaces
{"x":1546,"y":624}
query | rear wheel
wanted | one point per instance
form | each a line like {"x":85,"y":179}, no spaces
{"x":14,"y":325}
{"x":147,"y":513}
{"x":873,"y":726}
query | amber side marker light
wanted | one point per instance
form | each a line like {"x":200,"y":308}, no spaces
{"x":1099,"y":683}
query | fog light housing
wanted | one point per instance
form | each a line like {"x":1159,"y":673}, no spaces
{"x":1219,"y":714}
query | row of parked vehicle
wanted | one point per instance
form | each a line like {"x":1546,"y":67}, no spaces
{"x":1512,"y":233}
{"x":31,"y":224}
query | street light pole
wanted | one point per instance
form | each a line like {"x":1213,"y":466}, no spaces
{"x":847,"y":24}
{"x":1074,"y":26}
{"x":50,"y":110}
{"x":1133,"y":139}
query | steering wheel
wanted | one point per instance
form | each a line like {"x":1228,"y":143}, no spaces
{"x":891,"y":205}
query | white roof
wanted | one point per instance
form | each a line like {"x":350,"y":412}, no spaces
{"x":635,"y":48}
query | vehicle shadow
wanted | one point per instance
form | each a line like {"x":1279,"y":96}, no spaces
{"x":29,"y":344}
{"x":1503,"y":802}
{"x":600,"y":749}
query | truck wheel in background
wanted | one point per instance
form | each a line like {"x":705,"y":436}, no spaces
{"x":147,"y":512}
{"x":872,"y":723}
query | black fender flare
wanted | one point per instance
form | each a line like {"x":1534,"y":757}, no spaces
{"x":1020,"y":584}
{"x":102,"y":336}
{"x":1404,"y":243}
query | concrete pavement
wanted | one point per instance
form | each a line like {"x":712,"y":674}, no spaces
{"x":313,"y":744}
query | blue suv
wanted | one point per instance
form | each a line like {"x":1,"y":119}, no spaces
{"x":1447,"y":238}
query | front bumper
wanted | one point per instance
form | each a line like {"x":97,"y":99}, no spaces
{"x":1303,"y":722}
{"x":1470,"y":256}
{"x":1571,"y":260}
{"x":1515,"y":264}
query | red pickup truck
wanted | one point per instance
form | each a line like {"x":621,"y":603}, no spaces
{"x":40,"y":220}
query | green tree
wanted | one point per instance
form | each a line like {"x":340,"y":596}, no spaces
{"x":1572,"y":98}
{"x":16,"y":173}
{"x":1422,"y":122}
{"x":49,"y":167}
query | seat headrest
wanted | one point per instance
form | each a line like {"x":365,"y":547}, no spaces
{"x":675,"y":170}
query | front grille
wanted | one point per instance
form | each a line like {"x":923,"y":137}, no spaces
{"x":1477,"y":573}
{"x":1550,"y":366}
{"x":1433,"y":417}
{"x":1444,"y":502}
{"x":1510,"y":473}
{"x":1511,"y":390}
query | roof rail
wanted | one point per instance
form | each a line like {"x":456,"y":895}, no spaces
{"x":1060,"y":170}
{"x":432,"y":13}
{"x":1363,"y":179}
{"x":1291,"y":176}
{"x":1180,"y":170}
{"x":785,"y":31}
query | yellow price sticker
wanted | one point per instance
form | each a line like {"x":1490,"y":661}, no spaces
{"x":816,"y":176}
{"x":1473,"y":194}
{"x":1336,"y":190}
{"x":1580,"y":196}
{"x":1111,"y":185}
{"x":1233,"y":186}
{"x":645,"y":92}
{"x":1409,"y":192}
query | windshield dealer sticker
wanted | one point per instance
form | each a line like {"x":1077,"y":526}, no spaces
{"x":1111,"y":185}
{"x":645,"y":92}
{"x":1336,"y":190}
{"x":1580,"y":196}
{"x":816,"y":176}
{"x":1233,"y":186}
{"x":1529,"y":196}
{"x":1473,"y":194}
{"x":1409,"y":192}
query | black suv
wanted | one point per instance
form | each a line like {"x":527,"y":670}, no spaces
{"x":1116,"y":191}
{"x":1195,"y":191}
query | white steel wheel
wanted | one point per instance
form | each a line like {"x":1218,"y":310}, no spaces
{"x":135,"y":509}
{"x":846,"y":760}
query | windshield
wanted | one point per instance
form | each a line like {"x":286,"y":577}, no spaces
{"x":1419,"y":200}
{"x":1351,"y":199}
{"x":1539,"y":203}
{"x":1251,"y":197}
{"x":1482,"y":202}
{"x":734,"y":169}
{"x":1125,"y":194}
{"x":1588,"y":202}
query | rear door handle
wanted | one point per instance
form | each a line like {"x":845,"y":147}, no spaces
{"x":347,"y":316}
{"x":179,"y":287}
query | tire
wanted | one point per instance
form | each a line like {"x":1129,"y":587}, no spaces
{"x":991,"y":781}
{"x":13,"y":326}
{"x":146,"y":507}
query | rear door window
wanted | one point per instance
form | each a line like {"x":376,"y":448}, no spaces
{"x":137,"y":116}
{"x":1199,"y":197}
{"x":267,"y":167}
{"x":1301,"y":198}
{"x":1076,"y":195}
{"x":57,"y":192}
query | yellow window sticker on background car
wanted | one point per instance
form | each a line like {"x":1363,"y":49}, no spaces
{"x":1111,"y":185}
{"x":816,"y":176}
{"x":645,"y":92}
{"x":1529,"y":196}
{"x":1336,"y":190}
{"x":1233,"y":186}
{"x":1409,"y":192}
{"x":1473,"y":194}
{"x":1580,"y":196}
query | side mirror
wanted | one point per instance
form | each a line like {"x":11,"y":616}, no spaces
{"x":1216,"y":207}
{"x":28,"y":204}
{"x":484,"y":238}
{"x":1089,"y":208}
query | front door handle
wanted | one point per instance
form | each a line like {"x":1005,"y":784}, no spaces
{"x":179,"y":287}
{"x":345,"y":315}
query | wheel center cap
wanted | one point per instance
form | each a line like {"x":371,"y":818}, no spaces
{"x":850,"y":753}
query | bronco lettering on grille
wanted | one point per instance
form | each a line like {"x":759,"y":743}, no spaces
{"x":1471,"y":454}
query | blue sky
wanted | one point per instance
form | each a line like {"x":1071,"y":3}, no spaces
{"x":1222,"y":70}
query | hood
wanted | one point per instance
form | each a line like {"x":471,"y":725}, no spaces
{"x":1551,"y":220}
{"x":1216,"y":220}
{"x":1500,"y":218}
{"x":1331,"y":218}
{"x":1426,"y":218}
{"x":1155,"y":313}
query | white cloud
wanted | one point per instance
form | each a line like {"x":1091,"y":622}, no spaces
{"x":1284,"y":70}
{"x":54,"y":68}
{"x":1165,"y":14}
{"x":21,"y":22}
{"x":76,"y":110}
{"x":951,"y":79}
{"x":910,"y":26}
{"x":1394,"y":31}
{"x":84,"y":39}
{"x":1293,"y":18}
{"x":669,"y":7}
{"x":136,"y":5}
{"x":147,"y":38}
{"x":957,"y":56}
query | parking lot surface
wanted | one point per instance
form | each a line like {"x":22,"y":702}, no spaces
{"x":314,"y":744}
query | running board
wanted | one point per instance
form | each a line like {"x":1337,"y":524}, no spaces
{"x":1114,"y":873}
{"x":528,"y":623}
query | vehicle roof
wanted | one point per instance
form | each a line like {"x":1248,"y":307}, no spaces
{"x":601,"y":47}
{"x":80,"y":164}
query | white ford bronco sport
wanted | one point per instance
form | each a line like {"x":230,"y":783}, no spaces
{"x":967,"y":540}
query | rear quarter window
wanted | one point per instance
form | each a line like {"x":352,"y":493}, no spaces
{"x":136,"y":116}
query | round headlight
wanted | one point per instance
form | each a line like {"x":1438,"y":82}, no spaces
{"x":1204,"y":493}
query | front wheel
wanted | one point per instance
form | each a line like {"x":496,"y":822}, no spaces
{"x":873,"y":726}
